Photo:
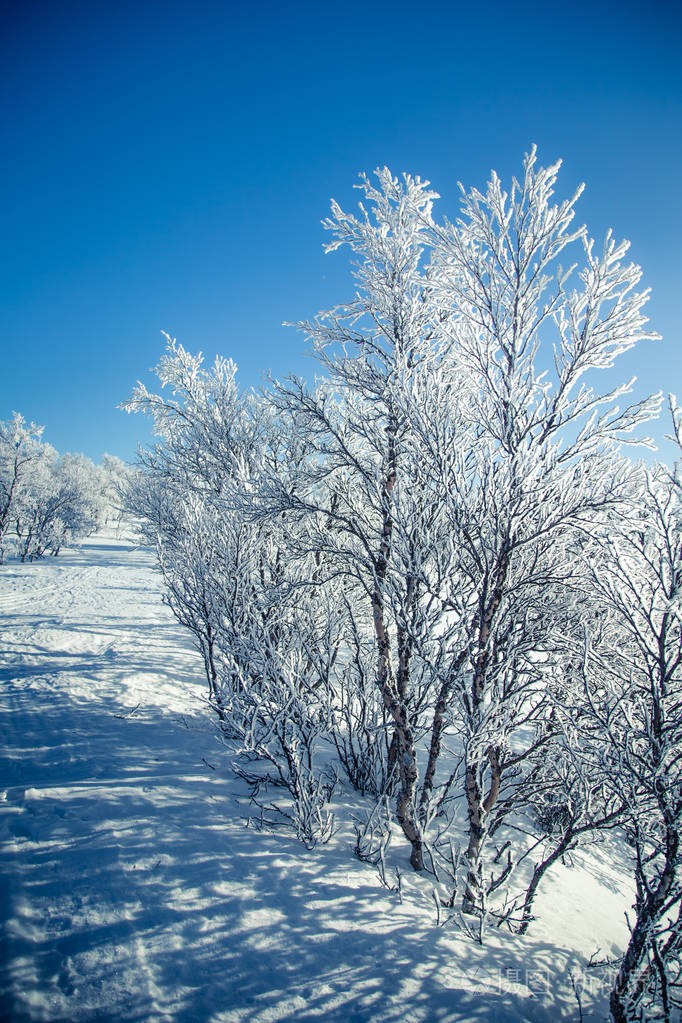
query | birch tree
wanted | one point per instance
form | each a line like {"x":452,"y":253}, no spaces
{"x":267,"y":640}
{"x":633,"y":689}
{"x":533,"y":313}
{"x":355,"y":489}
{"x":20,"y":446}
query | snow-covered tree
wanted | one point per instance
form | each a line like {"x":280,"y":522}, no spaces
{"x":532,"y":310}
{"x":20,"y":447}
{"x":359,"y":491}
{"x":116,"y":477}
{"x":61,"y":500}
{"x":633,"y":694}
{"x":46,"y":500}
{"x":229,"y":579}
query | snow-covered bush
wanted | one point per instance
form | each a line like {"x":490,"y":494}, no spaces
{"x":61,"y":500}
{"x":115,"y":477}
{"x":46,"y":501}
{"x":20,"y":448}
{"x":254,"y":609}
{"x":632,"y":677}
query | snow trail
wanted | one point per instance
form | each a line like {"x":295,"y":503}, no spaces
{"x":132,"y":889}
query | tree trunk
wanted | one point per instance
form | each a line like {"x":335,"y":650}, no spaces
{"x":538,"y":874}
{"x":478,"y":809}
{"x":649,"y":913}
{"x":394,"y":695}
{"x":403,"y":739}
{"x":472,"y":901}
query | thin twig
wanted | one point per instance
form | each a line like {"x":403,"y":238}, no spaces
{"x":128,"y":715}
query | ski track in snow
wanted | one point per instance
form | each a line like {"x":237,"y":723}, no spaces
{"x":133,"y":890}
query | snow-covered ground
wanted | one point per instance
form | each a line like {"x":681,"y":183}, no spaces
{"x":133,"y":889}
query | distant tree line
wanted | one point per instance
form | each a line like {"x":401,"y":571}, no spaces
{"x":48,"y":501}
{"x":434,"y":573}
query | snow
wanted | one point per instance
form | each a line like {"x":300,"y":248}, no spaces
{"x":137,"y":888}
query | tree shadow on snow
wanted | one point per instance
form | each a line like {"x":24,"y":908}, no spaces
{"x":138,"y":893}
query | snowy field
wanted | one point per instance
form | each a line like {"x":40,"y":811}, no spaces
{"x":133,"y":889}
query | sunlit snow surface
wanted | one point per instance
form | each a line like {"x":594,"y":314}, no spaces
{"x":133,"y":890}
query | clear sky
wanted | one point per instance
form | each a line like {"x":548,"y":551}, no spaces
{"x":165,"y":166}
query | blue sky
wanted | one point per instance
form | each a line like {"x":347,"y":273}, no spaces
{"x":167,"y":166}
